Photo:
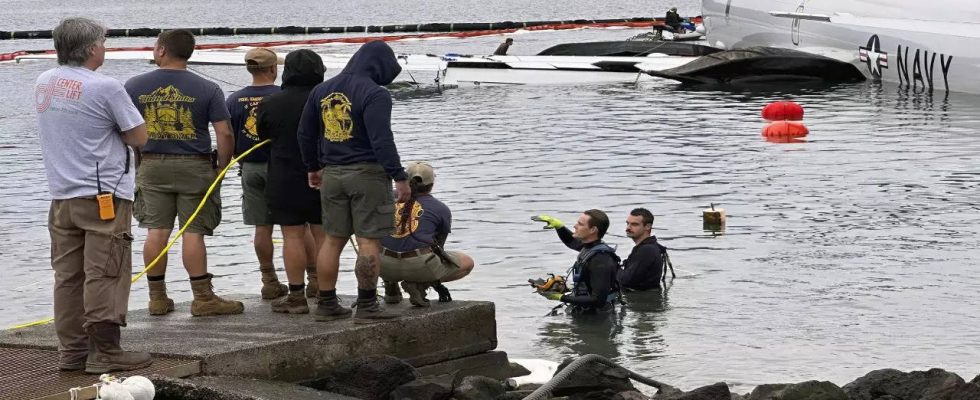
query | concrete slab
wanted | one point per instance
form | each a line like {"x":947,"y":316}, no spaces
{"x":493,"y":364}
{"x":295,"y":348}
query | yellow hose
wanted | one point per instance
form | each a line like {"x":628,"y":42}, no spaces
{"x":200,"y":205}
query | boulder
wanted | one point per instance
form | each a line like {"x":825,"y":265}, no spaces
{"x":515,"y":395}
{"x":369,"y":378}
{"x":630,"y":395}
{"x":593,"y":377}
{"x":966,"y":391}
{"x":765,"y":391}
{"x":717,"y":391}
{"x":934,"y":384}
{"x":478,"y":388}
{"x":810,"y":390}
{"x":423,"y":389}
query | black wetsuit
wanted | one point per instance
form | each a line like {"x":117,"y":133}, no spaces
{"x":596,"y":283}
{"x":644,"y":267}
{"x":673,"y":20}
{"x":502,"y":49}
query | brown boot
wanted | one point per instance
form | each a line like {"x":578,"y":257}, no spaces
{"x":207,"y":303}
{"x":369,"y":311}
{"x":106,"y":355}
{"x":393,"y":295}
{"x":293,"y":303}
{"x":72,"y":362}
{"x":312,"y":287}
{"x":160,"y":304}
{"x":271,"y":288}
{"x":416,"y":293}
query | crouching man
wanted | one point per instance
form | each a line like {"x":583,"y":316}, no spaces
{"x":414,"y":253}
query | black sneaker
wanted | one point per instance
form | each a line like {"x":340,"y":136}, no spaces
{"x":329,"y":310}
{"x":369,"y":312}
{"x":443,"y":292}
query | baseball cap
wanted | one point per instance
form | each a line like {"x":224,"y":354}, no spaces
{"x":261,"y":57}
{"x":422,"y":170}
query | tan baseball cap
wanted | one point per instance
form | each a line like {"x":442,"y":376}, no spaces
{"x":422,"y":170}
{"x":261,"y":57}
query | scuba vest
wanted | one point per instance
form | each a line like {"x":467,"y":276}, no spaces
{"x":580,"y":288}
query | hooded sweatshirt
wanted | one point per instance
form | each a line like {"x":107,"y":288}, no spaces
{"x":278,"y":119}
{"x":347,"y":119}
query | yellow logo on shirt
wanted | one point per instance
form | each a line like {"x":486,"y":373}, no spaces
{"x":168,"y":115}
{"x":400,"y":230}
{"x":251,"y":106}
{"x":337,"y":123}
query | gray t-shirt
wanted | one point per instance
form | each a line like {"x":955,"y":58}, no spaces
{"x":81,"y":114}
{"x":177,"y":106}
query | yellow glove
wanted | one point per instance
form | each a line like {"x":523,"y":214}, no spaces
{"x":552,"y":222}
{"x":553,"y":296}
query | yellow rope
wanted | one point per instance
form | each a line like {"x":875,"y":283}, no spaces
{"x":179,"y":233}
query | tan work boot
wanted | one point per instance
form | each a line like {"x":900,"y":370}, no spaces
{"x":160,"y":304}
{"x":292,"y":303}
{"x":271,"y":288}
{"x":312,"y":287}
{"x":416,"y":293}
{"x":393,"y":295}
{"x":329,"y":310}
{"x":105,"y":355}
{"x":369,"y":312}
{"x":207,"y":303}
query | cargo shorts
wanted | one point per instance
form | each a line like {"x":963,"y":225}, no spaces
{"x":356,"y":199}
{"x":254,"y":178}
{"x":171,"y":187}
{"x":424,"y":268}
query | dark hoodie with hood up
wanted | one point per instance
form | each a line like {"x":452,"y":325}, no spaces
{"x":347,"y":119}
{"x":290,"y":199}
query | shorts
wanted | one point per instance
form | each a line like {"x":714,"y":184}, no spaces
{"x":168,"y":188}
{"x":356,"y":200}
{"x":254,"y":208}
{"x":424,"y":268}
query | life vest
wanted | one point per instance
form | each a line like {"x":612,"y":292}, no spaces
{"x":580,"y":288}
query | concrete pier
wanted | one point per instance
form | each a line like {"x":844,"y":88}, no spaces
{"x":265,"y":345}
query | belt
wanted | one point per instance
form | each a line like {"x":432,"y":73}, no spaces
{"x":161,"y":156}
{"x":406,"y":254}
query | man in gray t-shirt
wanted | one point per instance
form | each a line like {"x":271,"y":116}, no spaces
{"x":85,"y":122}
{"x":176,"y":169}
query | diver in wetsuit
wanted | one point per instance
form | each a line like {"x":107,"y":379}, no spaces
{"x":595,"y":269}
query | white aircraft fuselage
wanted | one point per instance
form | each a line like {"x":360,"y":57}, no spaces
{"x":920,"y":45}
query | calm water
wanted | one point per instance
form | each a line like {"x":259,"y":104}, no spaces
{"x":851,"y":251}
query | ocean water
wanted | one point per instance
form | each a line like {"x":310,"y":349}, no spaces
{"x":849,"y":251}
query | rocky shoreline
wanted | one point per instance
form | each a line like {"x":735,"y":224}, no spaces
{"x":389,"y":378}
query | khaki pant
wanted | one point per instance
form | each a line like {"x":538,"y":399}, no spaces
{"x":92,"y":263}
{"x":425,"y":268}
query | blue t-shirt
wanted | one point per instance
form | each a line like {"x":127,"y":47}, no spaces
{"x":177,"y":106}
{"x":431,"y":222}
{"x":242,"y":105}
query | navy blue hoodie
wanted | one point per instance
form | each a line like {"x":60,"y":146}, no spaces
{"x":347,"y":119}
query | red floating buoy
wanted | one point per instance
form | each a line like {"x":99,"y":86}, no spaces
{"x":782,"y":111}
{"x":787,"y":129}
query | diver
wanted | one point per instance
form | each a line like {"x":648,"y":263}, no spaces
{"x":673,"y":20}
{"x":595,"y":286}
{"x":644,"y":268}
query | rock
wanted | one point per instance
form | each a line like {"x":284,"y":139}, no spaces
{"x":630,"y":395}
{"x":478,"y":388}
{"x":966,"y":391}
{"x":514,"y":395}
{"x":976,"y":380}
{"x":810,"y":390}
{"x":666,"y":392}
{"x":423,"y":389}
{"x":718,"y":391}
{"x":529,"y":387}
{"x":369,"y":378}
{"x":604,"y":394}
{"x":765,"y":391}
{"x":934,"y":384}
{"x":593,"y":377}
{"x":518,"y":370}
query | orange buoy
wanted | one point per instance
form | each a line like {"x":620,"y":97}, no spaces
{"x":787,"y":129}
{"x":782,"y":110}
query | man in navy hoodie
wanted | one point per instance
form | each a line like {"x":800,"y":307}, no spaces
{"x":349,"y":151}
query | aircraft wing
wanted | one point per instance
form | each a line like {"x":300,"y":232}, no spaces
{"x":963,"y":29}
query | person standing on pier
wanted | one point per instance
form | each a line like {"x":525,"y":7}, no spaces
{"x":349,"y":151}
{"x":263,"y":65}
{"x":85,"y":123}
{"x":293,"y":204}
{"x":176,"y":168}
